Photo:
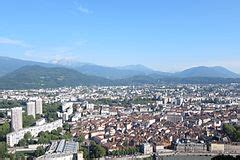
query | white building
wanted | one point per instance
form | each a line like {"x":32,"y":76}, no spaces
{"x":90,"y":106}
{"x":65,"y":116}
{"x":146,"y":148}
{"x":39,"y":106}
{"x":14,"y":137}
{"x":31,"y":109}
{"x":70,"y":110}
{"x":40,"y":122}
{"x":76,"y":117}
{"x":66,"y":105}
{"x":174,"y":117}
{"x":16,"y":118}
{"x":67,"y":150}
{"x":67,"y":109}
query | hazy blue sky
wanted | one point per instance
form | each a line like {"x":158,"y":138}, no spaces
{"x":167,"y":35}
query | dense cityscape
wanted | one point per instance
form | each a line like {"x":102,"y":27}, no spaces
{"x":121,"y":122}
{"x":119,"y":80}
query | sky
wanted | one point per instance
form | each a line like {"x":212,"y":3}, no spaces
{"x":166,"y":35}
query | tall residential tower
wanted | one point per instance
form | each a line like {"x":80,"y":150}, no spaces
{"x":31,"y":109}
{"x":39,"y":106}
{"x":16,"y":121}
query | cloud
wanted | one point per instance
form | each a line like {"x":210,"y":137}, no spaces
{"x":55,"y":53}
{"x":9,"y":41}
{"x":51,"y":56}
{"x":84,"y":9}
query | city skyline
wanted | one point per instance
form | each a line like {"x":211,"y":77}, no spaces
{"x":166,"y":36}
{"x":88,"y":79}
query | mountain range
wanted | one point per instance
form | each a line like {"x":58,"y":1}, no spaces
{"x":22,"y":74}
{"x":108,"y":72}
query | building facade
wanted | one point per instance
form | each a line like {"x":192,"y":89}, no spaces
{"x":16,"y":118}
{"x":31,"y":109}
{"x":39,"y":106}
{"x":191,"y":147}
{"x":59,"y":150}
{"x":14,"y":137}
{"x":146,"y":148}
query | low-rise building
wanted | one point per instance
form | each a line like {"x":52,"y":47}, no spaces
{"x":146,"y":148}
{"x":191,"y":147}
{"x":232,"y":148}
{"x":40,"y":122}
{"x":59,"y":150}
{"x":217,"y":148}
{"x":14,"y":137}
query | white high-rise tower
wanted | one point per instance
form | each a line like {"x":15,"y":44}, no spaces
{"x":16,"y":118}
{"x":39,"y":106}
{"x":31,"y":109}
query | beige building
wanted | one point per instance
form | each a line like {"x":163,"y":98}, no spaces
{"x":217,"y":148}
{"x":191,"y":147}
{"x":232,"y":148}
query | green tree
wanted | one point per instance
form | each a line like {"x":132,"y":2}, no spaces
{"x":28,"y":120}
{"x":4,"y":129}
{"x":97,"y":151}
{"x":9,"y":103}
{"x":17,"y":155}
{"x":43,"y":140}
{"x":46,"y":137}
{"x":85,"y":152}
{"x":2,"y":115}
{"x":54,"y":132}
{"x":66,"y":126}
{"x":50,"y":111}
{"x":232,"y":131}
{"x":22,"y":142}
{"x":38,"y":116}
{"x":27,"y":136}
{"x":80,"y":139}
{"x":67,"y":136}
{"x":39,"y":152}
{"x":3,"y":150}
{"x":59,"y":129}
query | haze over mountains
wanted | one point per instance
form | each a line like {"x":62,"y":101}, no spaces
{"x":109,"y":72}
{"x":16,"y":73}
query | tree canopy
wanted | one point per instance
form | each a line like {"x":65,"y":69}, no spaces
{"x":28,"y":120}
{"x":4,"y":129}
{"x":96,"y":150}
{"x":50,"y":111}
{"x":46,"y":137}
{"x":9,"y":103}
{"x":232,"y":131}
{"x":39,"y":152}
{"x":3,"y":150}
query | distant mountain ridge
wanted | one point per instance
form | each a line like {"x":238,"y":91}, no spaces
{"x":137,"y":67}
{"x":35,"y":77}
{"x":22,"y":74}
{"x":8,"y":65}
{"x":140,"y":70}
{"x":108,"y":72}
{"x":203,"y":71}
